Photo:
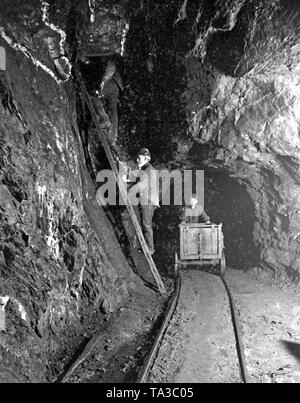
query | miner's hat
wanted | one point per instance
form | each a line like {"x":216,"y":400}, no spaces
{"x":145,"y":152}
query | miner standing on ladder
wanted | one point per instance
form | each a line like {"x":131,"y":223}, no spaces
{"x":108,"y":94}
{"x":144,"y":195}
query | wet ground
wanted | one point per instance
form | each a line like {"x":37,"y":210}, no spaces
{"x":270,"y":317}
{"x":199,"y":344}
{"x":115,"y":351}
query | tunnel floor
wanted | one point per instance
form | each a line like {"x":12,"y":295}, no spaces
{"x":113,"y":351}
{"x":199,"y":345}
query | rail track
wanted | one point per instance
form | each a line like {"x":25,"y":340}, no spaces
{"x":156,"y":355}
{"x":200,"y":299}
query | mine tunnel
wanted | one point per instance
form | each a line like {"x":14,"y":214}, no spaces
{"x":204,"y":86}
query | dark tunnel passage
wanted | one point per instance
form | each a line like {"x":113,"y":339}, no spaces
{"x":226,"y":202}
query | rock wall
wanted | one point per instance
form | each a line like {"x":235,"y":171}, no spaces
{"x":59,"y":257}
{"x":251,"y":119}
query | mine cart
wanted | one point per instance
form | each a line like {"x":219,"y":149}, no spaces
{"x":200,"y":245}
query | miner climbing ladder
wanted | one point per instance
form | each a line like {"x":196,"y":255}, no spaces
{"x":121,"y":185}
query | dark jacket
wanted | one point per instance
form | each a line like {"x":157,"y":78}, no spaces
{"x":111,"y":73}
{"x":146,"y":185}
{"x":193,"y":216}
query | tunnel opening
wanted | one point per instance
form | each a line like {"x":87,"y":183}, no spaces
{"x":225,"y":201}
{"x":229,"y":203}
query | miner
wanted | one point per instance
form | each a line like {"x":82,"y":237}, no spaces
{"x":193,"y":212}
{"x":107,"y":95}
{"x":144,"y":195}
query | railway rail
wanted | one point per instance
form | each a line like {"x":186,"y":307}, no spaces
{"x":145,"y":372}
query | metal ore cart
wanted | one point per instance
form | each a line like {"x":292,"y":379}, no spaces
{"x":201,"y":245}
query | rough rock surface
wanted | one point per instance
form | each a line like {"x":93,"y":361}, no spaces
{"x":250,"y":116}
{"x":59,"y":257}
{"x":107,"y":29}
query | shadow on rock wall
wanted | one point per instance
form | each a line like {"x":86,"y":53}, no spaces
{"x":251,"y":126}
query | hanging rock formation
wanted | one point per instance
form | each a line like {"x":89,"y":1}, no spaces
{"x":250,"y":116}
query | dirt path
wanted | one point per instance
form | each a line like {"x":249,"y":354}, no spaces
{"x":199,"y":345}
{"x":271,"y":322}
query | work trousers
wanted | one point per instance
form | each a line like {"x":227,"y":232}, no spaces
{"x":145,"y":215}
{"x":109,"y":99}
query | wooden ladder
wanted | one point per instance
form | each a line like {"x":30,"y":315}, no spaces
{"x":122,"y":188}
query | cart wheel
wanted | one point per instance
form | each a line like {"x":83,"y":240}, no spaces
{"x":223,"y":263}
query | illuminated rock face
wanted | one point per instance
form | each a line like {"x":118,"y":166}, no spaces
{"x":60,"y":260}
{"x":38,"y":30}
{"x":52,"y":33}
{"x":252,"y":119}
{"x":107,"y":28}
